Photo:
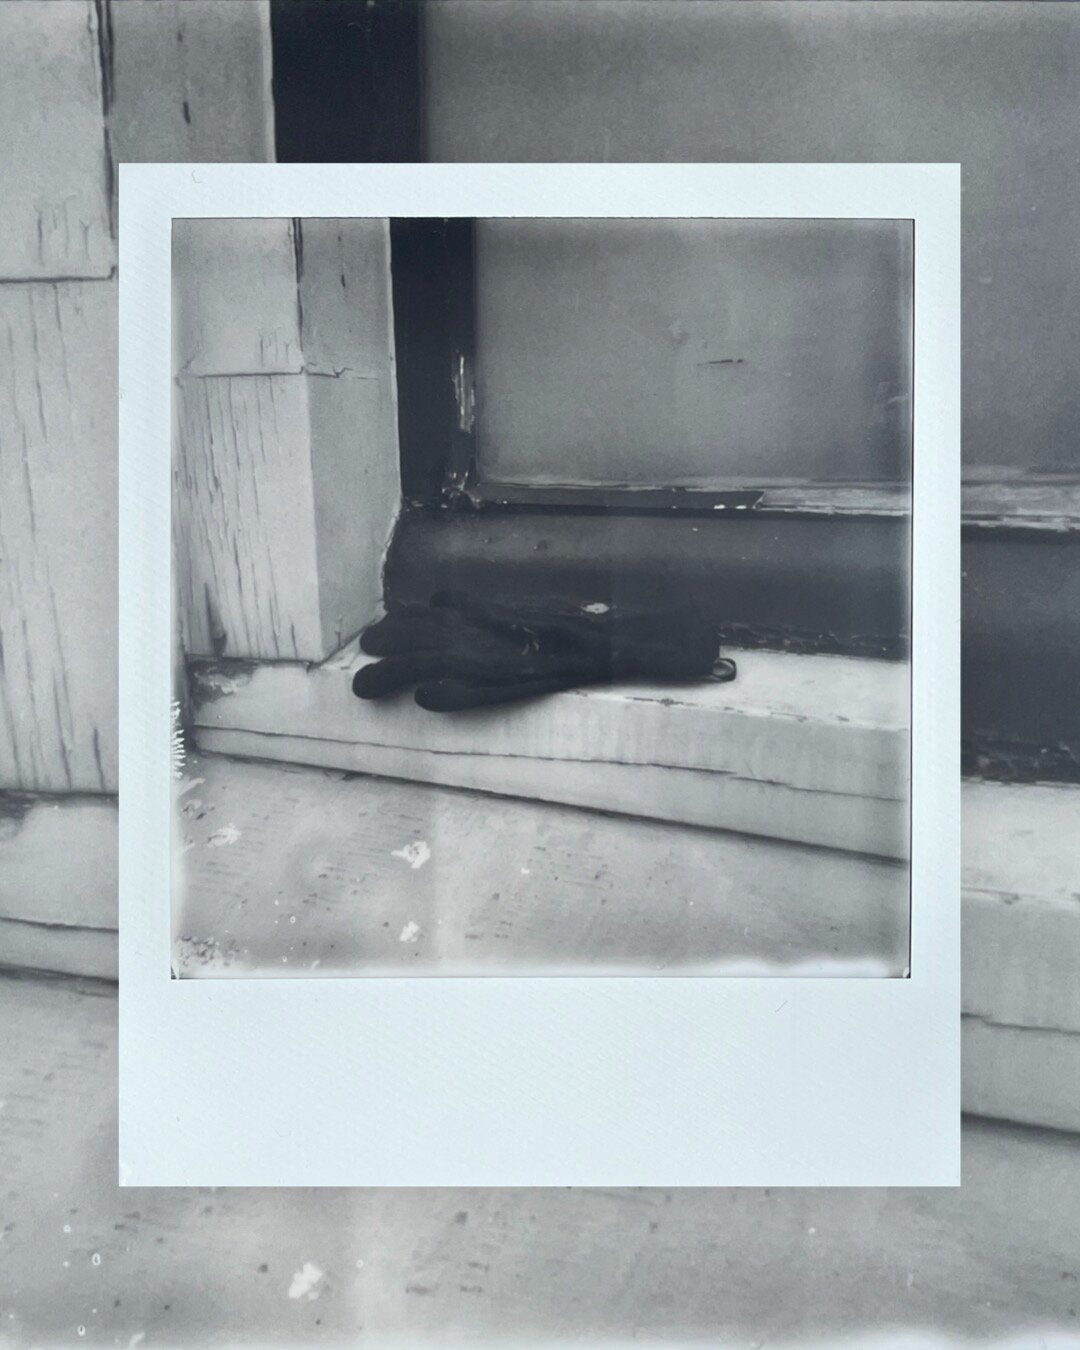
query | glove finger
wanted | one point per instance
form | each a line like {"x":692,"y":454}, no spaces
{"x":410,"y":629}
{"x":394,"y":673}
{"x":456,"y":695}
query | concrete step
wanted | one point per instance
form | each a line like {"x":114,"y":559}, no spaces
{"x":812,"y":749}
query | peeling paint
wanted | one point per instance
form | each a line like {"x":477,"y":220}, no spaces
{"x":306,"y":1281}
{"x":416,"y":855}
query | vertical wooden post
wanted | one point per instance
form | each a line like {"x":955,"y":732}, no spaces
{"x":286,"y":481}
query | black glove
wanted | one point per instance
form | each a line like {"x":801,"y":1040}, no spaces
{"x":463,"y":653}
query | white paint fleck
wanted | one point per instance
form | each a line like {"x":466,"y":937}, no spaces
{"x":136,"y":1340}
{"x":306,"y":1281}
{"x":95,"y":1260}
{"x":67,"y":1228}
{"x":81,"y":1330}
{"x":359,"y":1263}
{"x":526,"y":871}
{"x":597,"y":607}
{"x":416,"y":855}
{"x":228,"y":834}
{"x":410,"y":932}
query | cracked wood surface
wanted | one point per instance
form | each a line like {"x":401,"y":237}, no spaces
{"x":996,"y":1257}
{"x":58,"y":579}
{"x":286,"y":481}
{"x":82,"y":85}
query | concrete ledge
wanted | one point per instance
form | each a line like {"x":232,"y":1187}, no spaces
{"x":58,"y":860}
{"x":59,"y":949}
{"x":812,"y":749}
{"x":1021,"y":898}
{"x":1021,"y":1073}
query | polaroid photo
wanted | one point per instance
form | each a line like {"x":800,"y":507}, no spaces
{"x":539,"y":657}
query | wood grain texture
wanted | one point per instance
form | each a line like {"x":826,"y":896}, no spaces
{"x":244,"y":517}
{"x":55,"y":214}
{"x":58,"y":574}
{"x":291,"y":871}
{"x":190,"y":81}
{"x":287,"y":463}
{"x":994,"y":1259}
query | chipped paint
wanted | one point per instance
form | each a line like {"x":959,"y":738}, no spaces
{"x":416,"y":855}
{"x":228,"y":834}
{"x":305,"y":1283}
{"x":410,"y":933}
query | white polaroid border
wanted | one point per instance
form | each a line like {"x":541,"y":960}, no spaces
{"x":536,"y":1081}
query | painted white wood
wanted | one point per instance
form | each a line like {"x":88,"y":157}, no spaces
{"x":1023,"y":1074}
{"x":58,"y":536}
{"x":54,"y":210}
{"x":286,"y":462}
{"x":284,"y":503}
{"x":58,"y":860}
{"x":236,"y":310}
{"x":683,"y":796}
{"x":810,"y":748}
{"x":1021,"y":882}
{"x":191,"y":81}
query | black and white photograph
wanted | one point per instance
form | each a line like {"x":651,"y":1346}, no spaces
{"x":483,"y":515}
{"x":543,"y":595}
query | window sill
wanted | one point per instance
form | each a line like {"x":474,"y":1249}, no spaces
{"x":810,"y":749}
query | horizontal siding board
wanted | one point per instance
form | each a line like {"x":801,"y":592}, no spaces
{"x":58,"y":580}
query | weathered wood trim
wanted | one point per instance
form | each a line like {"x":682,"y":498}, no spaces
{"x":565,"y":892}
{"x":58,"y":536}
{"x":1021,"y":904}
{"x":807,"y":748}
{"x":235,"y":304}
{"x":286,"y":483}
{"x":190,"y":81}
{"x":55,"y":212}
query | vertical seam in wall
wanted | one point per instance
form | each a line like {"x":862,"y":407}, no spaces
{"x":102,"y":31}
